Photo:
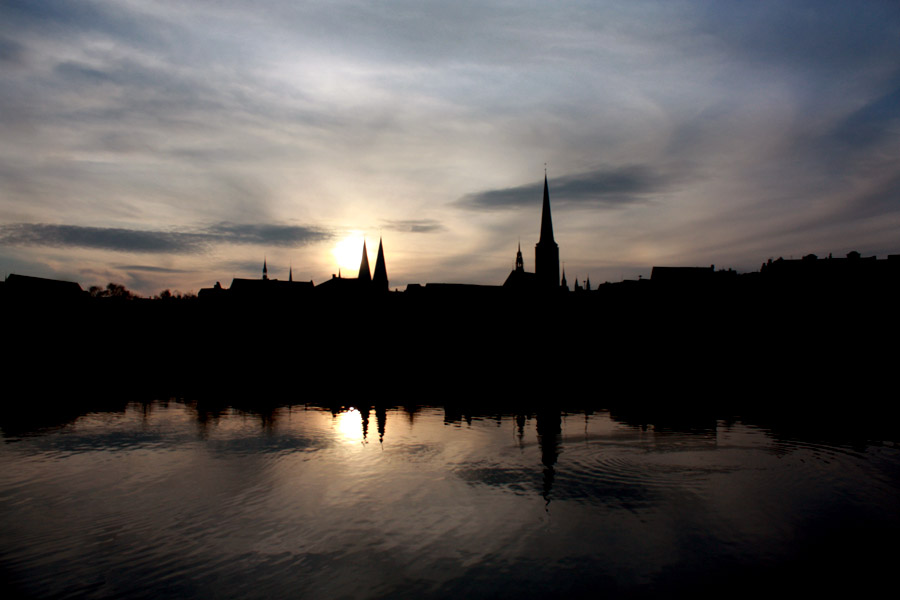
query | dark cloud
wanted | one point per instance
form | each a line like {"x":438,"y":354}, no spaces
{"x":414,"y":225}
{"x":150,"y":269}
{"x":105,"y":238}
{"x":82,"y":73}
{"x":815,"y":36}
{"x":64,"y":19}
{"x":601,"y":188}
{"x":882,"y":201}
{"x":271,"y":235}
{"x":11,"y":52}
{"x":870,"y":124}
{"x":157,"y":242}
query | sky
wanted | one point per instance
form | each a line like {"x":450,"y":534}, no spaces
{"x":170,"y":145}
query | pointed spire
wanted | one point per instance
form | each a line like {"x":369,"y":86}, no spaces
{"x":364,"y":273}
{"x":546,"y":219}
{"x":291,"y":273}
{"x":380,"y":278}
{"x":564,"y":283}
{"x":546,"y":251}
{"x":265,"y":269}
{"x":520,"y":262}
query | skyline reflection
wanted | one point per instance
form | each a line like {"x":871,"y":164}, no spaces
{"x":184,"y":498}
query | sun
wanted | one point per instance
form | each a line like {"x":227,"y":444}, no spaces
{"x":348,"y":252}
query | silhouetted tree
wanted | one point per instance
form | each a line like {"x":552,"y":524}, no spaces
{"x":168,"y":295}
{"x":112,"y":290}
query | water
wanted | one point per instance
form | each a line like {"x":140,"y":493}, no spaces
{"x":162,"y":499}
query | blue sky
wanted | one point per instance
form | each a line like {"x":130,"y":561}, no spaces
{"x":172,"y":144}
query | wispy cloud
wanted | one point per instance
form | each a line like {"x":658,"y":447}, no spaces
{"x":414,"y":225}
{"x":601,"y":188}
{"x":150,"y":269}
{"x":158,"y":242}
{"x":274,"y":235}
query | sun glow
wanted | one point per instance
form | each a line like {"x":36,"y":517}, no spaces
{"x":349,"y":425}
{"x":348,"y":252}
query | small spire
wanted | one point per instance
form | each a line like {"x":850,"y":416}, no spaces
{"x":291,"y":273}
{"x":265,"y":269}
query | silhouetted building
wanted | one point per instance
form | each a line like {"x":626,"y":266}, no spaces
{"x":454,"y":291}
{"x":364,"y":282}
{"x":546,"y":257}
{"x":259,"y":289}
{"x":546,"y":252}
{"x":813,"y":270}
{"x":682,"y":275}
{"x":518,"y":278}
{"x":25,"y":287}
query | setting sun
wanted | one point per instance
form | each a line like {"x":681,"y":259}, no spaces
{"x":348,"y":252}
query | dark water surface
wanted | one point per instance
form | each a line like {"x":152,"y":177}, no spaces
{"x":165,"y":500}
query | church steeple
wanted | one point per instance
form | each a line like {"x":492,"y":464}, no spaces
{"x":546,"y":252}
{"x":265,"y":270}
{"x":380,"y":278}
{"x":546,"y":219}
{"x":520,"y":263}
{"x":364,"y":273}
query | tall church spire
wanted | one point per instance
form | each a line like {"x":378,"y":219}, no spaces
{"x":364,"y":273}
{"x":546,"y":220}
{"x":546,"y":252}
{"x":265,"y":269}
{"x":380,"y":278}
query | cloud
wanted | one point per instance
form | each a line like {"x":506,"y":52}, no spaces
{"x":809,"y":35}
{"x":869,"y":125}
{"x":273,"y":235}
{"x":150,"y":269}
{"x":158,"y":242}
{"x":104,"y":238}
{"x":11,"y":52}
{"x":601,"y":188}
{"x":414,"y":225}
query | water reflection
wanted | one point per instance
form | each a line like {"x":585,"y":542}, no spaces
{"x":192,"y":499}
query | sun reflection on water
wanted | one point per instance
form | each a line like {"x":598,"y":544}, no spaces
{"x":348,"y":425}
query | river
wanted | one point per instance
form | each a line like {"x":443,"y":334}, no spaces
{"x":170,"y":499}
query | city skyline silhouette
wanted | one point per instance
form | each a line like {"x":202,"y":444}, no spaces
{"x":162,"y":148}
{"x":802,"y":275}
